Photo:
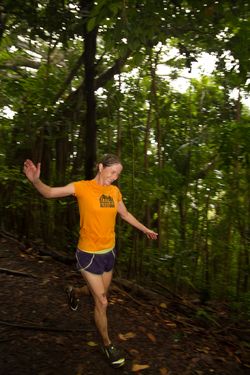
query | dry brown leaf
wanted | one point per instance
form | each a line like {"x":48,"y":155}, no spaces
{"x":136,"y":367}
{"x":151,"y":337}
{"x":237,"y":359}
{"x":164,"y":371}
{"x":134,"y":352}
{"x":205,"y":349}
{"x":170,"y":324}
{"x":126,"y":336}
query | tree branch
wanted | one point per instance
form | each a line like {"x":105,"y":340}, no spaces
{"x":45,"y":328}
{"x":100,"y":81}
{"x":111,"y":72}
{"x":70,"y":77}
{"x":15,"y":64}
{"x":19,"y":273}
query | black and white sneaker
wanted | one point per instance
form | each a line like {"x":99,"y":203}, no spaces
{"x":114,"y":355}
{"x":72,"y":300}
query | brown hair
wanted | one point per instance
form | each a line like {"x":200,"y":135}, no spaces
{"x":108,"y":160}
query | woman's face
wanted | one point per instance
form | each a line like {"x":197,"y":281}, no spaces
{"x":109,"y":174}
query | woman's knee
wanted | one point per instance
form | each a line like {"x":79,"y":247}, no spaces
{"x":101,"y":301}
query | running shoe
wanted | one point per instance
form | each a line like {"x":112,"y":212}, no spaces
{"x":114,"y":356}
{"x":72,"y":300}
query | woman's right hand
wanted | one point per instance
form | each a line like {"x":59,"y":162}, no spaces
{"x":31,"y":170}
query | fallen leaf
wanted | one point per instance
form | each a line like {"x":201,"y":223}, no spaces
{"x":203,"y":350}
{"x":45,"y":281}
{"x":126,"y":336}
{"x":151,"y":337}
{"x":163,"y":305}
{"x":237,"y":359}
{"x":136,"y":368}
{"x":134,"y":352}
{"x":92,"y":343}
{"x":170,"y":324}
{"x":164,"y":371}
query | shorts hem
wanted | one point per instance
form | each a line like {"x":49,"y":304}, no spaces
{"x":82,"y":270}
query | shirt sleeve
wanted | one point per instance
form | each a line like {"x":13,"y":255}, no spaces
{"x":78,"y":186}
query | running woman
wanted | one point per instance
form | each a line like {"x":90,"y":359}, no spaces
{"x":99,"y":202}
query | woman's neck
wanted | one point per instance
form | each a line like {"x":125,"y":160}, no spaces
{"x":99,"y":180}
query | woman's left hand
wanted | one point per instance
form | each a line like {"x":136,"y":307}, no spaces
{"x":151,"y":234}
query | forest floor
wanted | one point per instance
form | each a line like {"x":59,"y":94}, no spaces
{"x":40,"y":335}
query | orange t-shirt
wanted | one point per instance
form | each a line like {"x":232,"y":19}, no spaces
{"x":98,"y":209}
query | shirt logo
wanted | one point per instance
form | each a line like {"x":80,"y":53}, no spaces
{"x":106,"y":201}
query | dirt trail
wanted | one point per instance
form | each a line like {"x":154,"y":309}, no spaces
{"x":41,"y":336}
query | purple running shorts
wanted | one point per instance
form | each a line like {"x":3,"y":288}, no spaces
{"x":95,"y":263}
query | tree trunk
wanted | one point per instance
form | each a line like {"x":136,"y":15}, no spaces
{"x":90,"y":119}
{"x":119,"y":127}
{"x":90,"y":122}
{"x":159,"y":139}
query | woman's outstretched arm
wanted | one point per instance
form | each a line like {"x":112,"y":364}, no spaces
{"x":129,"y":218}
{"x":32,"y":173}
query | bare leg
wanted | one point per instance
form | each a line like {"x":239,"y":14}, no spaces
{"x":83,"y":291}
{"x":98,"y":285}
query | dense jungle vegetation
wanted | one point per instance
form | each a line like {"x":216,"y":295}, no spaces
{"x":83,"y":78}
